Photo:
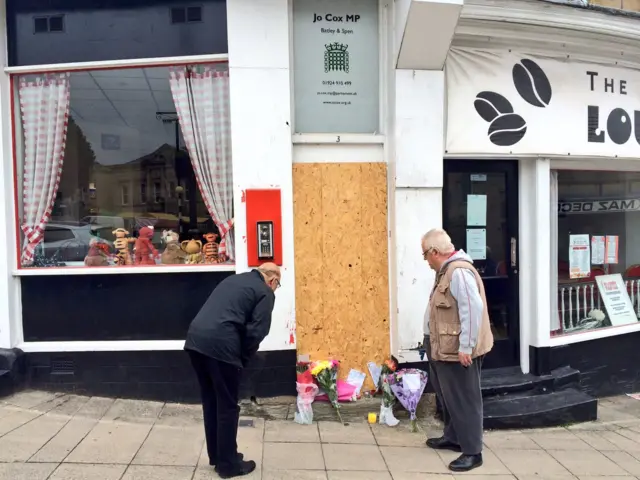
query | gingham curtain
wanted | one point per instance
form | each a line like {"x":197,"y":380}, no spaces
{"x":44,"y":103}
{"x":202,"y":103}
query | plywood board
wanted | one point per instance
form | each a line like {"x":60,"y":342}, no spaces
{"x":341,"y":259}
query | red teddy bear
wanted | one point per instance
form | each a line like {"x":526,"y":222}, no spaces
{"x":145,"y":251}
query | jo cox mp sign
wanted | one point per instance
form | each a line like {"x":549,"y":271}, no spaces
{"x":518,"y":104}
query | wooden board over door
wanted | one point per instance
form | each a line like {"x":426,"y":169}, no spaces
{"x":341,"y":262}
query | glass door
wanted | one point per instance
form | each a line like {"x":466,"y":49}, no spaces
{"x":481,"y":216}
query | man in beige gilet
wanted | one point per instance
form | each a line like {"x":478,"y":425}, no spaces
{"x":457,"y":336}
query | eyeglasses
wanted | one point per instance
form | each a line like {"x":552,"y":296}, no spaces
{"x":426,"y":253}
{"x":278,"y":283}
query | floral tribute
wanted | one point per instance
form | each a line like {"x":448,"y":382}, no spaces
{"x":408,"y":386}
{"x":388,"y":397}
{"x":326,"y":374}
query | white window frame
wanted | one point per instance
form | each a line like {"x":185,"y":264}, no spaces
{"x":584,"y":164}
{"x":14,"y":149}
{"x":385,"y":17}
{"x":124,"y":194}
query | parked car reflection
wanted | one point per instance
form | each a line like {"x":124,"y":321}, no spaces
{"x":67,"y":243}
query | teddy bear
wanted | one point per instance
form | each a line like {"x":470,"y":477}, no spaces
{"x":121,"y":244}
{"x":173,"y":254}
{"x":210,"y":249}
{"x":145,"y":252}
{"x":193,"y":248}
{"x":98,"y":255}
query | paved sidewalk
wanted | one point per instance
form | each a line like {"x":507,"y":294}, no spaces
{"x":67,"y":437}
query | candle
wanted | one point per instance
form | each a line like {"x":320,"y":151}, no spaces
{"x":373,"y":418}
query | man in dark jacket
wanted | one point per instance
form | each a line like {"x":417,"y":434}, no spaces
{"x":222,"y":338}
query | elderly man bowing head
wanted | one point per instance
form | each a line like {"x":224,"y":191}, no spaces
{"x":457,"y":336}
{"x":222,"y":338}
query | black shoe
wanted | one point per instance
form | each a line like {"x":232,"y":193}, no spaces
{"x":213,"y":463}
{"x":442,"y":443}
{"x":238,"y":470}
{"x":464,"y":463}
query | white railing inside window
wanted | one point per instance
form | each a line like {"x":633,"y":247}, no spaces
{"x":577,"y":301}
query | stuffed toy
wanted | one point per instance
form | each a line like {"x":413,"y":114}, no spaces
{"x":210,"y":249}
{"x":121,"y":244}
{"x":193,"y":248}
{"x":145,"y":252}
{"x":173,"y":254}
{"x":98,"y":255}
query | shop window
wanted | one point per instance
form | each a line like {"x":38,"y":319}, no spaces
{"x":61,"y":153}
{"x":597,"y":225}
{"x":96,"y":30}
{"x":336,"y":66}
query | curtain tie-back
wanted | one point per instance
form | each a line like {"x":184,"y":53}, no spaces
{"x":224,"y":229}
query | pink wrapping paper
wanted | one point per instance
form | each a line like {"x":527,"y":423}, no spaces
{"x":345,"y":393}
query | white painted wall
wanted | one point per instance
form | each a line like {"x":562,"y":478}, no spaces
{"x":261,"y":134}
{"x":419,"y":148}
{"x":10,"y":308}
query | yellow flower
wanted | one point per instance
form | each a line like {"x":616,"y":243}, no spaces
{"x":319,"y":367}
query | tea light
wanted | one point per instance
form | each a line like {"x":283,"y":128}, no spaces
{"x":373,"y":418}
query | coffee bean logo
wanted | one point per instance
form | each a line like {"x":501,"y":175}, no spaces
{"x":532,"y":83}
{"x":507,"y":129}
{"x":490,"y":105}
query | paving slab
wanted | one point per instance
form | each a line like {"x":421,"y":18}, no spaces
{"x":510,"y":440}
{"x":401,"y":460}
{"x":337,"y":475}
{"x":68,"y":471}
{"x":398,"y":436}
{"x":30,"y":398}
{"x":294,"y":475}
{"x":587,"y":463}
{"x":293,"y":456}
{"x":334,"y":432}
{"x":290,"y":432}
{"x":172,"y":446}
{"x":110,"y":442}
{"x":531,"y":462}
{"x":25,"y":471}
{"x":20,"y":444}
{"x":353,"y":457}
{"x":143,"y":472}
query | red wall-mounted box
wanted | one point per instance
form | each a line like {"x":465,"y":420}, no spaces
{"x":263,"y":206}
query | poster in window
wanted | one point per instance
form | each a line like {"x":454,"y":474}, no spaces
{"x":579,"y":256}
{"x":597,"y":250}
{"x":612,"y":249}
{"x":336,"y":68}
{"x":616,"y":299}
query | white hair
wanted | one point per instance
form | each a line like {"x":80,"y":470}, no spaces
{"x":439,"y":240}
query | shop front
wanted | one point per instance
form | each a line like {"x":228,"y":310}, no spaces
{"x":128,"y":195}
{"x":541,"y":188}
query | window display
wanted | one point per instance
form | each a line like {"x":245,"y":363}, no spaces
{"x":598,"y":249}
{"x":88,"y":143}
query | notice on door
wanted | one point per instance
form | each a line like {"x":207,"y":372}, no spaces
{"x":579,"y":256}
{"x":476,"y":210}
{"x":477,"y":243}
{"x":616,"y":299}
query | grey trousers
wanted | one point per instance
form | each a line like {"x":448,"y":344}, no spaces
{"x":458,"y":389}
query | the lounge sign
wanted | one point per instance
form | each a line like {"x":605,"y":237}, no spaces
{"x":599,"y":206}
{"x":519,"y":104}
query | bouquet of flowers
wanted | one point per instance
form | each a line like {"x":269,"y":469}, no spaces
{"x":307,"y":391}
{"x":388,"y":398}
{"x":408,"y":385}
{"x":326,"y":374}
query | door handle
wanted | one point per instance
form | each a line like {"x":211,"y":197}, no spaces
{"x":514,"y":247}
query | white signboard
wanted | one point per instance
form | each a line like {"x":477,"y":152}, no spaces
{"x":599,"y":206}
{"x":336,"y":68}
{"x":597,"y":250}
{"x":477,"y":210}
{"x":616,"y":299}
{"x":579,"y":256}
{"x":502,"y":102}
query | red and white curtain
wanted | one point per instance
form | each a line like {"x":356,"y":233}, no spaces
{"x":44,"y":103}
{"x":201,"y":97}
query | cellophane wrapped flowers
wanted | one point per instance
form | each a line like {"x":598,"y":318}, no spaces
{"x":408,"y":385}
{"x":326,"y":374}
{"x":388,"y":397}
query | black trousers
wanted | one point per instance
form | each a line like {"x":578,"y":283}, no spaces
{"x":219,"y":384}
{"x":458,"y":389}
